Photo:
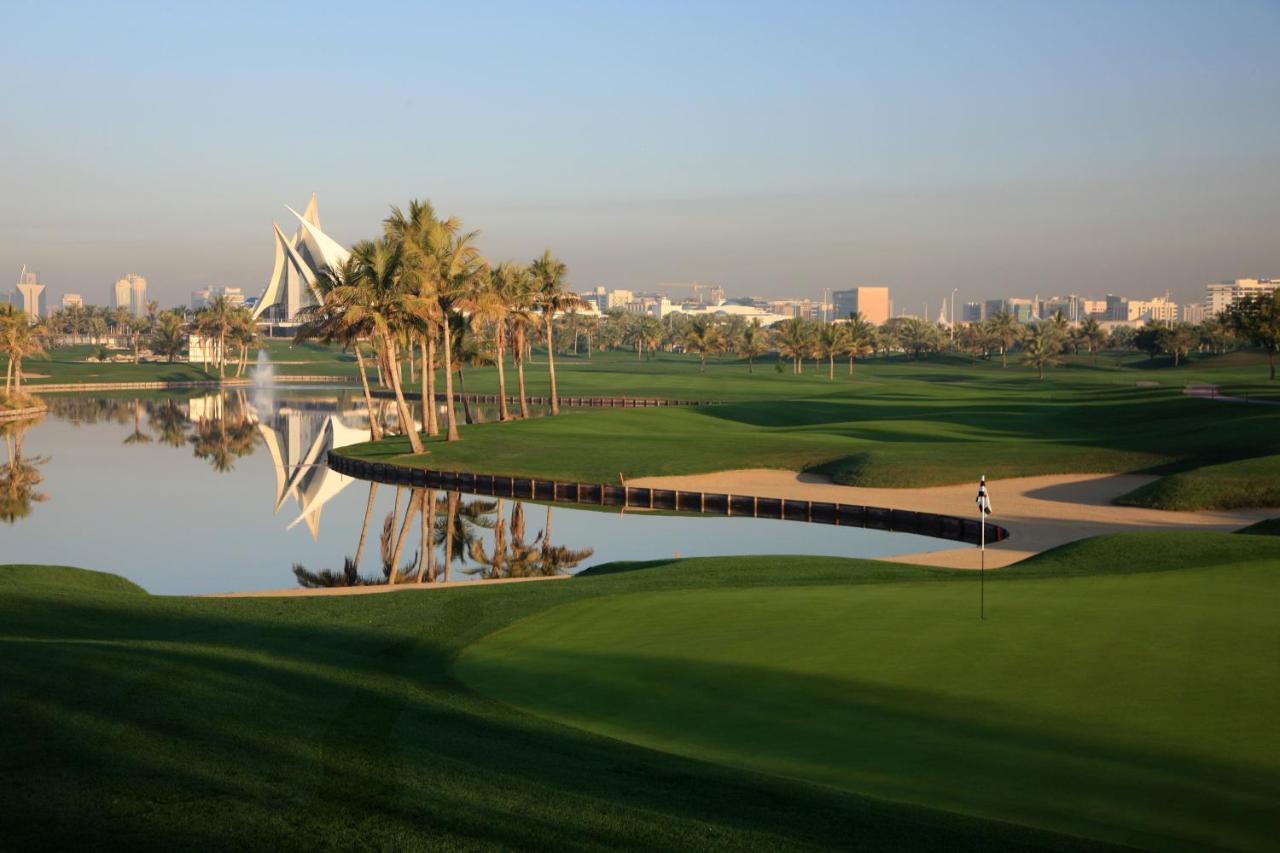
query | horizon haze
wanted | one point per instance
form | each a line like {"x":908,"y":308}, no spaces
{"x":1003,"y":150}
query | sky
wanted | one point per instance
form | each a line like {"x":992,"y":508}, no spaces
{"x":1000,"y":149}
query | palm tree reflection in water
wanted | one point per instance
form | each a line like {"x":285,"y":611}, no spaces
{"x":19,"y":475}
{"x":451,"y":531}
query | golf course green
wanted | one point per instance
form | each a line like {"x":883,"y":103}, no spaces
{"x":1121,"y":691}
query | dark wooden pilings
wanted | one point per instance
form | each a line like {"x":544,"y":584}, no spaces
{"x":637,"y":497}
{"x":568,"y":402}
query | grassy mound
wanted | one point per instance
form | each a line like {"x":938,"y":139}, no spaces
{"x":794,"y":702}
{"x":1232,"y":485}
{"x":1146,"y":694}
{"x":1268,"y":527}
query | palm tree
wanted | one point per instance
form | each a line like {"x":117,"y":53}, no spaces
{"x":1093,"y":335}
{"x":383,"y":306}
{"x":751,"y":342}
{"x":1006,"y":329}
{"x":829,"y":343}
{"x":215,"y":322}
{"x":859,"y":338}
{"x":702,"y":336}
{"x":549,"y":276}
{"x":557,"y":559}
{"x":1042,"y":346}
{"x":169,"y":337}
{"x":508,"y":288}
{"x":795,"y":339}
{"x":244,"y":334}
{"x":340,"y":317}
{"x":19,"y":338}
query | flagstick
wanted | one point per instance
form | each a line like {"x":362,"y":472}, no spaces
{"x":982,"y":568}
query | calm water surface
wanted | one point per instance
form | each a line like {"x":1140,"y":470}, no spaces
{"x":229,"y":491}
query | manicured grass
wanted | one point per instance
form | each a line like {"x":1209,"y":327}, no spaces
{"x":895,"y":423}
{"x":139,"y":722}
{"x":1231,"y":485}
{"x":67,"y":364}
{"x":1136,"y":708}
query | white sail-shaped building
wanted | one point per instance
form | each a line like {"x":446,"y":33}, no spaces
{"x":298,"y":259}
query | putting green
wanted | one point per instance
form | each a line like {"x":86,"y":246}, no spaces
{"x":1137,"y":709}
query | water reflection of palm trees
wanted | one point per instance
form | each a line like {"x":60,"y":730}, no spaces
{"x":224,"y":432}
{"x":20,"y":475}
{"x":452,"y":530}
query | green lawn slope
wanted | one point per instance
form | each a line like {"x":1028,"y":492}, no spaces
{"x":793,"y":702}
{"x":895,"y":423}
{"x":1135,"y":708}
{"x":1231,"y":485}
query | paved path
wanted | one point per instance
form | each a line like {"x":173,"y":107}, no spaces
{"x":1039,"y":512}
{"x":1210,"y":392}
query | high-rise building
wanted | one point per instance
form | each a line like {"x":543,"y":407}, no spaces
{"x":1117,"y":308}
{"x":130,"y":293}
{"x":972,"y":313}
{"x":200,"y":298}
{"x":138,"y":295}
{"x":1159,"y":309}
{"x":31,"y":291}
{"x":72,"y":300}
{"x":871,"y":302}
{"x":1220,"y":296}
{"x":1194,"y":314}
{"x":1023,"y":310}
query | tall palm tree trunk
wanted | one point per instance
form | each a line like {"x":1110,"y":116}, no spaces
{"x":462,"y":391}
{"x":450,"y":415}
{"x":374,"y":429}
{"x":518,"y":352}
{"x":407,"y":426}
{"x":429,"y":384}
{"x":364,"y":528}
{"x":551,"y":367}
{"x":500,"y":348}
{"x":428,"y":404}
{"x":831,"y":367}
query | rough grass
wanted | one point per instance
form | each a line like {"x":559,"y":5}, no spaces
{"x":1232,"y":485}
{"x":1113,"y":707}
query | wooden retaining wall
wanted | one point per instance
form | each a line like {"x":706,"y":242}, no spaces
{"x":229,"y":382}
{"x":638,"y":497}
{"x":22,"y":414}
{"x":567,"y":401}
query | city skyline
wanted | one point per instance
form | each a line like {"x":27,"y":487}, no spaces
{"x":995,"y":150}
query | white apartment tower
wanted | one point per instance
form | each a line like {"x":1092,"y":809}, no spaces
{"x":130,"y":292}
{"x":1220,"y":296}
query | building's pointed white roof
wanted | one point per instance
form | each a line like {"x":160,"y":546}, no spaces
{"x":325,"y":249}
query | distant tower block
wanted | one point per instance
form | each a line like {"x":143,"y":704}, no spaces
{"x":32,"y":293}
{"x":299,"y":260}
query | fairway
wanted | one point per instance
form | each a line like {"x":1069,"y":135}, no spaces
{"x":1136,"y":709}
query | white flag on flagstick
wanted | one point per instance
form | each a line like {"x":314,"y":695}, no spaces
{"x":984,"y":502}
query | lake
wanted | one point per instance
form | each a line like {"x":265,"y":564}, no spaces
{"x":228,"y":491}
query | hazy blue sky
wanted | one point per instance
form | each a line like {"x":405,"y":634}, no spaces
{"x":1001,"y":148}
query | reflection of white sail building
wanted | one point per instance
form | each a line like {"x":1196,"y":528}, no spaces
{"x":299,"y":442}
{"x":298,"y":259}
